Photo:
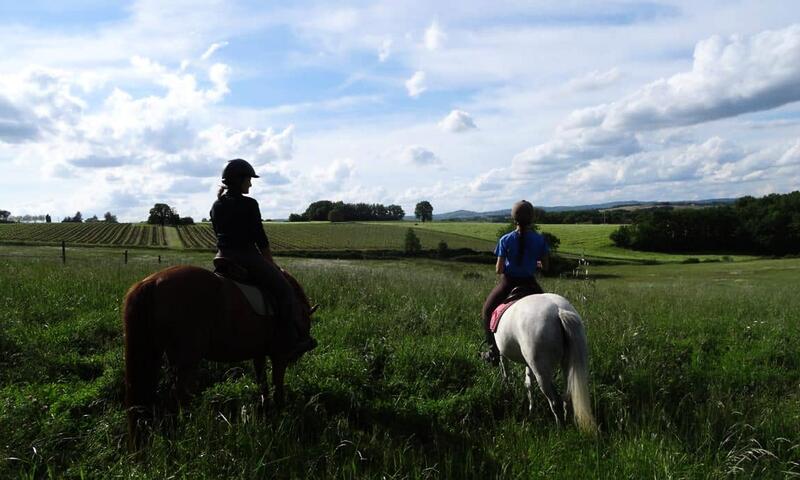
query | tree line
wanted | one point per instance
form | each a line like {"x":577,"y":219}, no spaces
{"x":323,"y":210}
{"x":6,"y":217}
{"x":767,"y":225}
{"x":597,"y":216}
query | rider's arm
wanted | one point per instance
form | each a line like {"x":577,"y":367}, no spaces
{"x":261,"y":240}
{"x":500,"y":266}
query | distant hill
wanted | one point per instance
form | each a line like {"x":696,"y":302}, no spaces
{"x":628,"y":204}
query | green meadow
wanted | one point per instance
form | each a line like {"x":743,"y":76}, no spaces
{"x":694,"y":373}
{"x":581,"y":240}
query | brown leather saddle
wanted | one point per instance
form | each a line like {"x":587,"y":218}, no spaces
{"x":262,"y":301}
{"x":521,"y":291}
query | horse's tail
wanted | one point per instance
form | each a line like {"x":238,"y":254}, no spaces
{"x":142,"y":356}
{"x":577,"y":369}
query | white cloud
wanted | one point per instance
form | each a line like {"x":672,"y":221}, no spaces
{"x":183,"y":185}
{"x":729,"y":77}
{"x":336,"y":173}
{"x":385,"y":50}
{"x":212,"y":49}
{"x":258,"y":146}
{"x":715,"y":161}
{"x":572,"y":147}
{"x":37,"y":102}
{"x":594,"y":80}
{"x":434,"y":36}
{"x":416,"y":84}
{"x":457,"y":121}
{"x":419,"y":156}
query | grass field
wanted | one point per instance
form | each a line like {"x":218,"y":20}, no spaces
{"x":590,"y":241}
{"x":587,"y":240}
{"x":694,"y":374}
{"x":342,"y":236}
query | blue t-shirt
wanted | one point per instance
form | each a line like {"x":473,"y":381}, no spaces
{"x":508,"y":248}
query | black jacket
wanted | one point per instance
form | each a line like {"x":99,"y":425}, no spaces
{"x":237,"y":222}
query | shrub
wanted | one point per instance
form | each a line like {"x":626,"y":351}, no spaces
{"x":412,"y":243}
{"x":442,"y":249}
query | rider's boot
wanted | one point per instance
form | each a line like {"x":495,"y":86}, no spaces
{"x":491,"y":356}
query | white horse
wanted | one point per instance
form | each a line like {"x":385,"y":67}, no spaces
{"x":543,"y":331}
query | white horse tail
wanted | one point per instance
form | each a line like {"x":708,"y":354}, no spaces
{"x":577,"y":370}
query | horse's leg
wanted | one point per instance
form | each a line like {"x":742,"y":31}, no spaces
{"x":544,"y":377}
{"x":503,"y":371}
{"x":186,"y":373}
{"x":278,"y":374}
{"x":184,"y":367}
{"x":259,"y":364}
{"x":529,"y":387}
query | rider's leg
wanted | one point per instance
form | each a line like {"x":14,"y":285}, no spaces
{"x":495,"y":297}
{"x":270,"y":277}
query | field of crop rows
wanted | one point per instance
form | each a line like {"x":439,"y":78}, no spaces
{"x":338,"y":236}
{"x":100,"y":233}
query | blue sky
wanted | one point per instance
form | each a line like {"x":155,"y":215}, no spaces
{"x":470,"y":105}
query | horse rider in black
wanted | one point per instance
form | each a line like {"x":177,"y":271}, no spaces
{"x":240,"y":237}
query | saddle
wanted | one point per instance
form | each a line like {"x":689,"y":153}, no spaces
{"x":260,"y":301}
{"x":515,"y":294}
{"x":521,"y":291}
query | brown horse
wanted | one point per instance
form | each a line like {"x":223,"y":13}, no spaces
{"x":190,"y":314}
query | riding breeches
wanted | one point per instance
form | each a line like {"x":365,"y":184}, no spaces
{"x":501,"y":291}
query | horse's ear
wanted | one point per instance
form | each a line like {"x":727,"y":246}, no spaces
{"x":314,"y":309}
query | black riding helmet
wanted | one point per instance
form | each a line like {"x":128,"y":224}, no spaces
{"x":238,"y":168}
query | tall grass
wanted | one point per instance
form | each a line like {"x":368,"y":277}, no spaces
{"x":694,"y":374}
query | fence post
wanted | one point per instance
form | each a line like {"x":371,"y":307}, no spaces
{"x":63,"y":251}
{"x":126,"y":257}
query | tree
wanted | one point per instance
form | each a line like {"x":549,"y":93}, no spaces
{"x":47,"y":218}
{"x":110,"y":218}
{"x":318,"y":211}
{"x":622,"y":236}
{"x":297,"y":218}
{"x":442,"y":249}
{"x":186,"y":221}
{"x":4,"y":214}
{"x":395,"y":212}
{"x":552,"y":241}
{"x":424,"y":211}
{"x":412,"y":244}
{"x":162,"y":214}
{"x":78,"y":218}
{"x":337,"y":214}
{"x":92,"y":219}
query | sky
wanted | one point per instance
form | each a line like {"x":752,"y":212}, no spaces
{"x":115,"y":106}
